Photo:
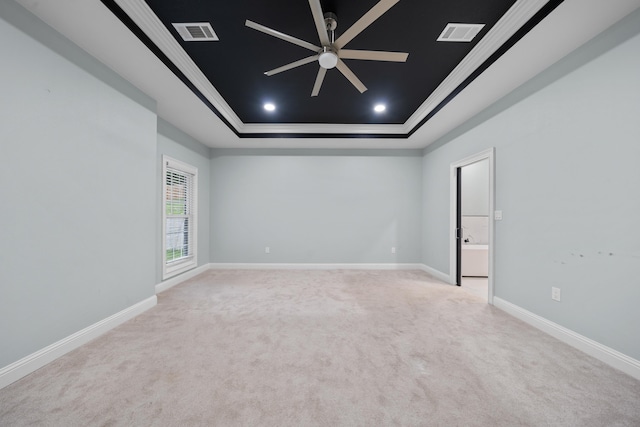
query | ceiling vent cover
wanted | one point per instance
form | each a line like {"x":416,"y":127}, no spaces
{"x":460,"y":32}
{"x":196,"y":31}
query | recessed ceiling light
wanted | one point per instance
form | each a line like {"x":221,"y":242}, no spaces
{"x":269,"y":106}
{"x":379,"y":108}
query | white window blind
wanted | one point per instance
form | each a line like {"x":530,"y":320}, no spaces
{"x":179,"y":216}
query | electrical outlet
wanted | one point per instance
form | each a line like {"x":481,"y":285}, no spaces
{"x":267,"y":250}
{"x":555,"y":294}
{"x":393,"y":249}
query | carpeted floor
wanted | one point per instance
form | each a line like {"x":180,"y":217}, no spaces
{"x":323,"y":348}
{"x":478,"y":286}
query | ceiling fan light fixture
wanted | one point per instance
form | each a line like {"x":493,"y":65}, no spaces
{"x":328,"y":59}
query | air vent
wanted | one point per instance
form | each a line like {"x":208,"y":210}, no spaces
{"x":460,"y":32}
{"x":196,"y":32}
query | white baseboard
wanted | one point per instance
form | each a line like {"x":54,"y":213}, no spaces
{"x":435,"y":273}
{"x":170,"y":283}
{"x":601,"y":352}
{"x":34,"y":361}
{"x":313,"y":266}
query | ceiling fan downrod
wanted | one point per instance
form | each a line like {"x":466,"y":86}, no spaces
{"x":328,"y":58}
{"x":331,"y":21}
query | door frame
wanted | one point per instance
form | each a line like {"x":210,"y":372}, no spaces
{"x":488,"y":154}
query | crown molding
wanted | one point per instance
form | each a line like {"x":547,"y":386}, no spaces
{"x":323,"y":128}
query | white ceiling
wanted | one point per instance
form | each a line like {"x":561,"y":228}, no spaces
{"x":90,"y":25}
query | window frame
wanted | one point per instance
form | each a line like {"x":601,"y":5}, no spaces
{"x":173,"y":268}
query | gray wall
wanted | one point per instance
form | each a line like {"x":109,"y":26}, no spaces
{"x":175,"y":143}
{"x":78,"y":152}
{"x":322,"y":207}
{"x":567,"y":151}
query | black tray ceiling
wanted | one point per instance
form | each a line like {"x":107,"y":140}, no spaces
{"x":235,"y":64}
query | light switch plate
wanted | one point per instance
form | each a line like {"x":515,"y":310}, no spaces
{"x":497,"y":215}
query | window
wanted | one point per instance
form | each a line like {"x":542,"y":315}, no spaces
{"x":179,"y":219}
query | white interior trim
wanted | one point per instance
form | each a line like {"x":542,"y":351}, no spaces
{"x":315,"y":266}
{"x":325,"y":128}
{"x":605,"y":354}
{"x":34,"y":361}
{"x":486,"y":154}
{"x":170,"y":283}
{"x":436,"y":273}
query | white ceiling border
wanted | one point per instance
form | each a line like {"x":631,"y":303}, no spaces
{"x":324,"y":128}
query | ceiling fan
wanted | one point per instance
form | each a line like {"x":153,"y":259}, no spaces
{"x":331,"y":53}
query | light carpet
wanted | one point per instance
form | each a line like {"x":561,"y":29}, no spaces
{"x":323,"y":348}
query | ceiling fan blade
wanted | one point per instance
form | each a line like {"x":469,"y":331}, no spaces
{"x":292,"y":65}
{"x":346,"y":71}
{"x":318,"y":18}
{"x":367,"y":19}
{"x":373,"y":55}
{"x":319,"y":80}
{"x":282,"y":36}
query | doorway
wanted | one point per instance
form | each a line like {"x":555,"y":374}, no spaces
{"x":472,"y":224}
